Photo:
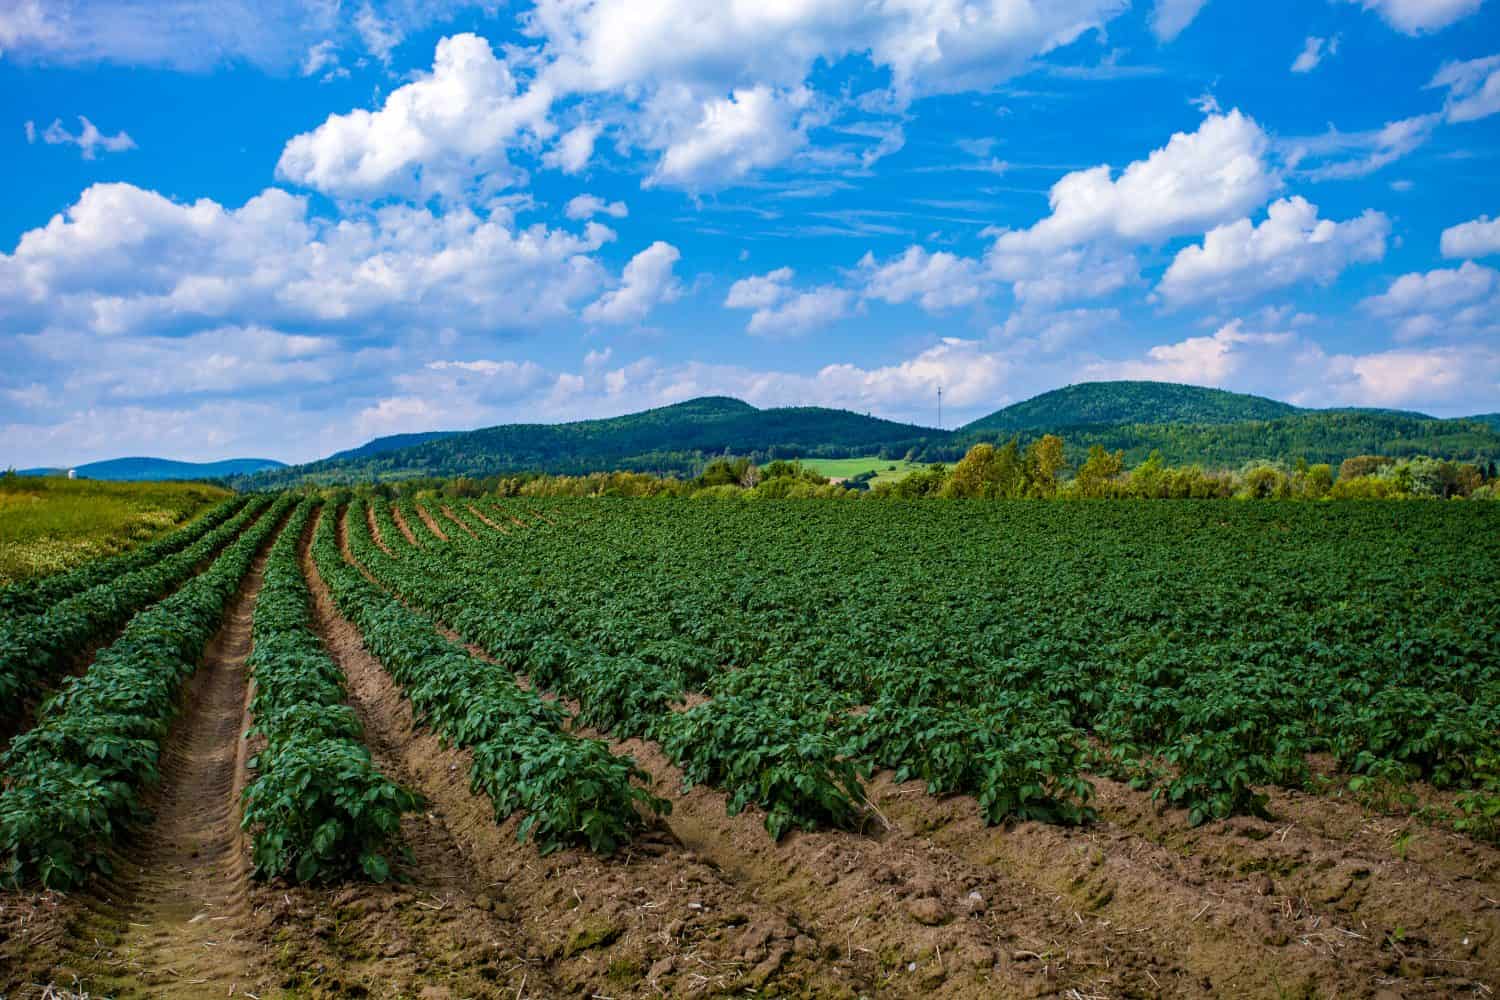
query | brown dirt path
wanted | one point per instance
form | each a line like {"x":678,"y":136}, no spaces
{"x":400,"y":520}
{"x":180,"y":896}
{"x":375,"y":529}
{"x":493,"y":524}
{"x":450,"y":515}
{"x":431,"y":523}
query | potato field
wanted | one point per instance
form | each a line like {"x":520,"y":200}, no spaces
{"x":329,"y":746}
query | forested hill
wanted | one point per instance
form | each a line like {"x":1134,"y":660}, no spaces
{"x":1120,"y":403}
{"x":670,"y":439}
{"x":1187,"y":424}
{"x":1315,"y":435}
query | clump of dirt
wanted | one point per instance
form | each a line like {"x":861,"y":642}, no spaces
{"x":431,"y":522}
{"x":401,"y":524}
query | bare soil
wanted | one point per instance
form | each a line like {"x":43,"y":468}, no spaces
{"x":405,"y":528}
{"x":431,"y":522}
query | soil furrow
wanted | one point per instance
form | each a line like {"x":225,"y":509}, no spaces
{"x":493,"y":524}
{"x":431,"y":523}
{"x":448,"y":513}
{"x":405,"y":528}
{"x":375,"y":529}
{"x":180,"y":896}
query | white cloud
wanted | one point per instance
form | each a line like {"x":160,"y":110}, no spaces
{"x":574,"y":149}
{"x":1479,"y":238}
{"x":1345,"y":155}
{"x":586,"y":206}
{"x":1198,"y":179}
{"x":1051,"y":331}
{"x":1314,"y":51}
{"x":323,"y":56}
{"x":380,"y":36}
{"x":647,"y":281}
{"x":1046,"y":278}
{"x":89,"y":139}
{"x":1169,"y":18}
{"x":123,"y":260}
{"x":1463,"y":377}
{"x":1416,"y":17}
{"x":759,"y":291}
{"x":781,"y":310}
{"x":1473,"y":88}
{"x":752,"y":128}
{"x":437,"y":136}
{"x":197,"y":35}
{"x":1240,"y":259}
{"x":937,"y":280}
{"x":1197,"y":360}
{"x":1462,"y":301}
{"x":1436,"y":290}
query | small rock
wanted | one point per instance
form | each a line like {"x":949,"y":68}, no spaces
{"x":976,"y":902}
{"x":804,"y":945}
{"x":927,"y":910}
{"x":662,"y":967}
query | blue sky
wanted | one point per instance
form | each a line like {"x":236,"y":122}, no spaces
{"x":280,"y":229}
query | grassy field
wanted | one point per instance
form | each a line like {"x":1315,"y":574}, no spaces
{"x":49,"y":524}
{"x":889,"y":469}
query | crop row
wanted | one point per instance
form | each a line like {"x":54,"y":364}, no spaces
{"x":1005,"y":649}
{"x":35,"y":649}
{"x":772,"y":745}
{"x":34,"y":595}
{"x":571,"y":790}
{"x":318,"y":807}
{"x":76,"y":777}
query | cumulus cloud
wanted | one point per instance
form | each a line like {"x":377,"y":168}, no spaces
{"x":1479,"y":238}
{"x":1455,"y":301}
{"x":1169,"y":18}
{"x":1198,"y":179}
{"x":440,"y":135}
{"x":1473,"y":88}
{"x":1292,"y":245}
{"x":646,"y":282}
{"x":89,"y":139}
{"x":586,"y":206}
{"x":322,"y":57}
{"x":751,"y":128}
{"x":1314,"y":51}
{"x":1206,"y":360}
{"x":574,"y":149}
{"x":124,"y":260}
{"x":779,"y":309}
{"x":936,"y":280}
{"x":1417,"y":17}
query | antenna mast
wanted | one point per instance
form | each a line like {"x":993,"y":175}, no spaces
{"x":940,"y":407}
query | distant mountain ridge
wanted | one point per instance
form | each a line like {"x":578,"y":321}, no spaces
{"x":141,"y":469}
{"x":1187,"y":424}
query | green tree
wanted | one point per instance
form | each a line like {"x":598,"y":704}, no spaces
{"x":1096,"y":477}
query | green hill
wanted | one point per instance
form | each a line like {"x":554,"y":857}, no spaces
{"x":673,"y":439}
{"x":1315,"y":435}
{"x":1187,"y":424}
{"x":161,"y":469}
{"x":1488,"y":419}
{"x":1116,"y":403}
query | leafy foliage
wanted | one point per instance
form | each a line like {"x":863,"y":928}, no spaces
{"x":36,"y":648}
{"x":71,"y":781}
{"x":571,"y":790}
{"x":318,"y":807}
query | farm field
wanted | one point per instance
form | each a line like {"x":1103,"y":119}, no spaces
{"x":885,"y":469}
{"x":635,"y":748}
{"x":49,"y":524}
